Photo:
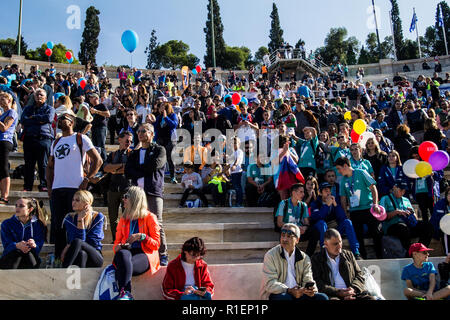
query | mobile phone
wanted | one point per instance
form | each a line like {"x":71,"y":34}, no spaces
{"x":125,"y":246}
{"x":202,"y":289}
{"x":309,"y":285}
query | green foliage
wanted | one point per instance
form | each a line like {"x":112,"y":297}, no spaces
{"x":89,"y":44}
{"x":238,"y":58}
{"x":219,"y":42}
{"x":410,"y":50}
{"x":439,"y":45}
{"x":7,"y":47}
{"x":152,"y":62}
{"x":276,"y":33}
{"x":58,"y":55}
{"x":337,"y":48}
{"x":262,"y":51}
{"x":174,"y":55}
{"x":398,"y":32}
{"x":299,"y":43}
{"x":428,"y":42}
{"x":364,"y":56}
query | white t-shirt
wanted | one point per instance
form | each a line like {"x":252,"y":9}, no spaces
{"x":68,"y":163}
{"x":291,"y":281}
{"x":143,"y":111}
{"x":189,"y":271}
{"x":238,"y":158}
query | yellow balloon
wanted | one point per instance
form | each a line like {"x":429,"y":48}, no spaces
{"x":348,"y":115}
{"x":423,"y":169}
{"x":359,"y":126}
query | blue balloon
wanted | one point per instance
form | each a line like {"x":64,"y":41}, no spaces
{"x":130,"y":40}
{"x":227,"y":96}
{"x":244,"y":100}
{"x":58,"y":94}
{"x":70,"y":60}
{"x":50,"y":45}
{"x":194,"y":72}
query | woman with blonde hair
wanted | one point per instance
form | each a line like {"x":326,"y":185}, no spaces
{"x":8,"y":123}
{"x":137,"y":241}
{"x":375,"y":155}
{"x":84,"y":229}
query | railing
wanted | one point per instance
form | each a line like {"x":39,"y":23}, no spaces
{"x":296,"y":54}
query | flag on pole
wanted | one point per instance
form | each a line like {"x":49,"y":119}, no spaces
{"x":413,"y":23}
{"x":440,"y":18}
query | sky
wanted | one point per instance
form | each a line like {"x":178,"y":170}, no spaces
{"x":246,"y":22}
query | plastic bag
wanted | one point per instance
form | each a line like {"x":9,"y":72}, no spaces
{"x":371,"y":285}
{"x":107,"y":288}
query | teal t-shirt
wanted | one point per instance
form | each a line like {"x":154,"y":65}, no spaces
{"x":421,"y":185}
{"x":420,"y":278}
{"x":336,"y":153}
{"x":259,"y":175}
{"x":295,"y":214}
{"x":362,"y":164}
{"x":306,"y":152}
{"x":356,"y":189}
{"x":400,"y":204}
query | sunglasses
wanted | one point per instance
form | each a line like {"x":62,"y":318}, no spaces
{"x":288,"y":233}
{"x":142,"y":131}
{"x":341,"y":137}
{"x":20,"y":205}
{"x":125,"y":196}
{"x":130,"y":114}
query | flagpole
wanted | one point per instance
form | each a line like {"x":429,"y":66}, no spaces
{"x":417,"y":32}
{"x":393,"y":37}
{"x":443,"y":29}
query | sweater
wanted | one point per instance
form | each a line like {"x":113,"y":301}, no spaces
{"x":93,"y":235}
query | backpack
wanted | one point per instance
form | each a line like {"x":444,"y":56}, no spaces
{"x":285,"y":210}
{"x":87,"y":161}
{"x":107,"y":288}
{"x":410,"y":220}
{"x":392,"y":248}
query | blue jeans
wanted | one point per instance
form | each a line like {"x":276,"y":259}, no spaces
{"x":35,"y":149}
{"x":286,"y":296}
{"x":345,"y":226}
{"x":99,"y":139}
{"x":236,"y":181}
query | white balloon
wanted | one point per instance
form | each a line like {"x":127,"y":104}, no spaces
{"x":409,"y":168}
{"x":364,"y":137}
{"x":444,"y":224}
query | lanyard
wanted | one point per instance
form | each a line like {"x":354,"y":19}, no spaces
{"x":353,"y":182}
{"x":132,"y":228}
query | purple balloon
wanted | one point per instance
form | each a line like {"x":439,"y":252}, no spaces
{"x":439,"y":160}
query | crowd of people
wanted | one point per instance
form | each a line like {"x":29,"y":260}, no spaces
{"x":315,"y":176}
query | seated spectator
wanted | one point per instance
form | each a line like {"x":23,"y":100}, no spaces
{"x":192,"y":183}
{"x":337,"y":272}
{"x":403,"y":142}
{"x":259,"y":181}
{"x":325,"y":210}
{"x":379,"y":122}
{"x":137,"y":241}
{"x":420,"y":276}
{"x":84,"y":229}
{"x":187,"y":276}
{"x":293,"y":210}
{"x":311,"y":190}
{"x":401,"y":221}
{"x":216,"y":183}
{"x":196,"y":154}
{"x":392,"y":173}
{"x":23,"y":236}
{"x":287,"y":273}
{"x":358,"y":162}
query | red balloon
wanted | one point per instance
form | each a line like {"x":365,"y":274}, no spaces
{"x":82,"y":84}
{"x":354,"y":136}
{"x":198,"y":69}
{"x":426,"y":149}
{"x":68,"y":55}
{"x":48,"y":52}
{"x":236,"y":98}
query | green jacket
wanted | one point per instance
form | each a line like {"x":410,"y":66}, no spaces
{"x":275,"y":271}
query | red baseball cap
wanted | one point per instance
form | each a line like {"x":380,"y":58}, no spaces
{"x":418,"y":247}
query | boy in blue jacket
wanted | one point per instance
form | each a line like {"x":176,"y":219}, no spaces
{"x":23,"y":236}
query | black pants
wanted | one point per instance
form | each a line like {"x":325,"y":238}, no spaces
{"x":114,"y":202}
{"x":425,"y":205}
{"x":197,"y":192}
{"x":423,"y":230}
{"x":251,"y":195}
{"x":169,"y":146}
{"x":129,"y":263}
{"x":364,"y":217}
{"x":35,"y":150}
{"x":113,"y":128}
{"x":5,"y":148}
{"x":312,"y":235}
{"x":219,"y":199}
{"x":82,"y":254}
{"x":16,"y":259}
{"x":60,"y":205}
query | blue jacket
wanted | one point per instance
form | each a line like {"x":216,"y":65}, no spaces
{"x":432,"y":184}
{"x":38,"y":121}
{"x":14,"y":231}
{"x":440,"y":209}
{"x":321,"y":211}
{"x":163,"y":134}
{"x":386,"y":180}
{"x":92,"y":235}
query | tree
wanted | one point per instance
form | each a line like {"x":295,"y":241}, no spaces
{"x":7,"y":47}
{"x":237,"y":58}
{"x":387,"y":48}
{"x":219,"y":42}
{"x":58,"y":55}
{"x":23,"y":46}
{"x":372,"y":48}
{"x":89,"y":44}
{"x":337,"y":48}
{"x":364,"y":56}
{"x":276,"y":33}
{"x":262,"y":51}
{"x":174,"y":55}
{"x":428,"y":42}
{"x":398,"y":32}
{"x":439,"y":47}
{"x":410,"y":50}
{"x":299,"y":43}
{"x":152,"y":62}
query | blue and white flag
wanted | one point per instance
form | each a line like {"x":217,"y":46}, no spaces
{"x":413,"y":23}
{"x":440,"y":18}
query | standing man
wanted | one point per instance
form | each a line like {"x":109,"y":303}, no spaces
{"x":287,"y":273}
{"x":100,"y":122}
{"x":145,"y":168}
{"x":37,"y":121}
{"x":115,"y":165}
{"x":65,"y":174}
{"x":359,"y":192}
{"x":336,"y":271}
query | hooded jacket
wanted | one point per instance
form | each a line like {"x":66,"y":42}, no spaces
{"x":175,"y":279}
{"x":93,"y":235}
{"x":14,"y":231}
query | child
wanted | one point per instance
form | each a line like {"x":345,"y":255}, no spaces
{"x":192,"y":183}
{"x":420,"y":276}
{"x":217,"y":184}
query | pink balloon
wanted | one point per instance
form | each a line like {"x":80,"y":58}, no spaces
{"x":439,"y":160}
